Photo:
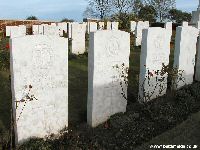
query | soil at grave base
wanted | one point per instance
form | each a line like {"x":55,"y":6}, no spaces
{"x":126,"y":131}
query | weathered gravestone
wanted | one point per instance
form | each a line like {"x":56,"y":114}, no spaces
{"x":17,"y":31}
{"x":184,"y":24}
{"x":53,"y":24}
{"x":108,"y":61}
{"x":51,"y":30}
{"x":93,"y":26}
{"x":8,"y":30}
{"x":41,"y":29}
{"x":22,"y":29}
{"x":133,"y":26}
{"x":39,"y":81}
{"x":109,"y":25}
{"x":115,"y":25}
{"x":78,"y":38}
{"x":138,"y":33}
{"x":35,"y":29}
{"x":154,"y":57}
{"x":62,"y":28}
{"x":184,"y":55}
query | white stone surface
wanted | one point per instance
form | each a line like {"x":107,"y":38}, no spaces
{"x":107,"y":49}
{"x":22,"y":29}
{"x":41,"y":29}
{"x":51,"y":30}
{"x":78,"y":39}
{"x":155,"y":52}
{"x":115,"y":25}
{"x":140,"y":26}
{"x":39,"y":76}
{"x":16,"y":31}
{"x":62,"y":28}
{"x":198,"y":25}
{"x":53,"y":24}
{"x":184,"y":55}
{"x":93,"y":26}
{"x":8,"y":30}
{"x":101,"y":26}
{"x":184,"y":24}
{"x":133,"y":26}
{"x":35,"y":29}
{"x":109,"y":25}
{"x":168,"y":26}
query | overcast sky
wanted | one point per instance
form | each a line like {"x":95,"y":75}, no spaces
{"x":59,"y":9}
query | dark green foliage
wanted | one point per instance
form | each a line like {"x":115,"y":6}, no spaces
{"x":4,"y":60}
{"x":179,"y":16}
{"x":32,"y":18}
{"x":147,"y":13}
{"x":67,"y":20}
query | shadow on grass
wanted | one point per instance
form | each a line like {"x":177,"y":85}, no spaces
{"x":5,"y":99}
{"x":78,"y":81}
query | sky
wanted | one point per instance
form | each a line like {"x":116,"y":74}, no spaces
{"x":56,"y":10}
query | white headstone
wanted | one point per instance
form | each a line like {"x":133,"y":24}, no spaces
{"x":62,"y":28}
{"x":22,"y":29}
{"x":133,"y":26}
{"x":168,"y":26}
{"x":109,"y":25}
{"x":184,"y":55}
{"x":53,"y":24}
{"x":35,"y":29}
{"x":78,"y":39}
{"x":140,"y":26}
{"x":198,"y":25}
{"x":16,"y":31}
{"x":8,"y":30}
{"x":154,"y":56}
{"x":184,"y":24}
{"x":41,"y":29}
{"x":115,"y":25}
{"x":93,"y":26}
{"x":108,"y":57}
{"x":101,"y":26}
{"x":51,"y":30}
{"x":39,"y":81}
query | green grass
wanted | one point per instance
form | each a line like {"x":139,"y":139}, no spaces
{"x":77,"y":90}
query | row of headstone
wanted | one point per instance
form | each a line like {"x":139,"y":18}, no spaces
{"x":53,"y":29}
{"x":16,"y":31}
{"x":94,"y":26}
{"x":39,"y":79}
{"x":155,"y":58}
